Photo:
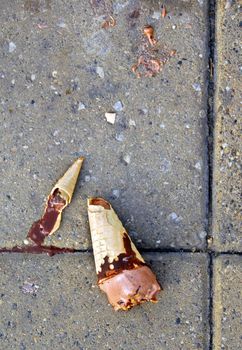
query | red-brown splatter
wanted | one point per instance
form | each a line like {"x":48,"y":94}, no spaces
{"x":151,"y":67}
{"x":163,"y":11}
{"x":42,"y":26}
{"x":110,"y":22}
{"x":152,"y":55}
{"x":149,"y":32}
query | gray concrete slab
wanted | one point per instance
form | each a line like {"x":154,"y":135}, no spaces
{"x":227,"y":229}
{"x":54,"y":303}
{"x":60,"y":73}
{"x":227,"y":307}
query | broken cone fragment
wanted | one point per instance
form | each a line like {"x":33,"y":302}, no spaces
{"x":66,"y":184}
{"x":60,"y":196}
{"x":122,"y":273}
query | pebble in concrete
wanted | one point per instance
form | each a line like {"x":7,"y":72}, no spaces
{"x":64,"y":308}
{"x":227,"y":307}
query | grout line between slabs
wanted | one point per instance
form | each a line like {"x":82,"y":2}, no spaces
{"x":212,"y":254}
{"x":210,"y":296}
{"x":210,"y":153}
{"x":210,"y":112}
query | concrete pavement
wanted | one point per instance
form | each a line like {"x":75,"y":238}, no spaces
{"x":60,"y":72}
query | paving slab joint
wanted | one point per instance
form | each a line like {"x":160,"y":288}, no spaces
{"x":210,"y":113}
{"x":210,"y":312}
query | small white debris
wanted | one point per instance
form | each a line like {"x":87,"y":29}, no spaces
{"x":118,"y":106}
{"x":158,"y":242}
{"x":87,"y":178}
{"x":187,"y":126}
{"x":81,"y":106}
{"x":198,"y":166}
{"x":162,"y":126}
{"x":25,"y":147}
{"x":156,"y":15}
{"x":119,"y":137}
{"x":26,"y":242}
{"x":144,"y":110}
{"x":228,"y":4}
{"x":11,"y":47}
{"x":174,"y":217}
{"x":110,"y":117}
{"x":227,"y":88}
{"x":61,"y":24}
{"x":32,"y":77}
{"x":174,"y":26}
{"x":196,"y":87}
{"x":132,"y":122}
{"x":54,"y":74}
{"x":126,"y":159}
{"x":165,"y":165}
{"x":100,"y":72}
{"x":202,"y":235}
{"x":29,"y":288}
{"x":202,"y":113}
{"x":13,"y":81}
{"x":116,"y":193}
{"x":56,"y":132}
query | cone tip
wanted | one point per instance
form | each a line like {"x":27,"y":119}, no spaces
{"x":80,"y":159}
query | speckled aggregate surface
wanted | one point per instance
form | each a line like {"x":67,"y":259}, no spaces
{"x":227,"y":218}
{"x":227,"y":315}
{"x":60,"y":73}
{"x":65,"y":309}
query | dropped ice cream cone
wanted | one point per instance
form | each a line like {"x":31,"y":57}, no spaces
{"x":60,"y":196}
{"x":121,"y":270}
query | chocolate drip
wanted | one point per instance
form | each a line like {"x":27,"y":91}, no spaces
{"x":38,"y":249}
{"x":43,"y":227}
{"x":101,"y":202}
{"x":125,"y":261}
